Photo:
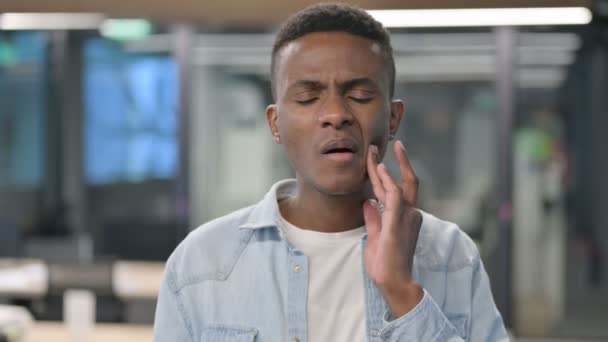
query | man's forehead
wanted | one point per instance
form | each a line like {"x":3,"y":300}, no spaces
{"x":307,"y":51}
{"x":335,"y":40}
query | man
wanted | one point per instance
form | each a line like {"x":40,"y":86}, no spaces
{"x":340,"y":253}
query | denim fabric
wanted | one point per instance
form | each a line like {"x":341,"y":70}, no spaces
{"x":236,"y":279}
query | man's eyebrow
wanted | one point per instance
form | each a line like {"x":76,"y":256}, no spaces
{"x":307,"y":84}
{"x":344,"y":86}
{"x":359,"y":82}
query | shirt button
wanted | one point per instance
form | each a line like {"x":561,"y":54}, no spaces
{"x":296,"y":268}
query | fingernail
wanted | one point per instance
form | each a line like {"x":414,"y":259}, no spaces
{"x":373,"y":202}
{"x":401,"y":144}
{"x":373,"y":149}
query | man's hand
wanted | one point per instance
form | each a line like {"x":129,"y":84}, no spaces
{"x":392,"y":225}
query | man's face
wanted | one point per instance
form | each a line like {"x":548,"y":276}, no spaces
{"x":332,"y":93}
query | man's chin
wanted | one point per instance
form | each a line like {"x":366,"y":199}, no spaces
{"x":342,"y":186}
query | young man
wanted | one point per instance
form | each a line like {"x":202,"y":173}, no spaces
{"x":340,"y":253}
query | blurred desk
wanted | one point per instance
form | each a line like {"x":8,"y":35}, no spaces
{"x":104,"y":332}
{"x":23,"y":278}
{"x":29,"y":278}
{"x":137,"y":280}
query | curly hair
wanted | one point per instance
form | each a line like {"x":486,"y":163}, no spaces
{"x":334,"y":17}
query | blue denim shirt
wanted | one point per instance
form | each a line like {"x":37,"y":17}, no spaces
{"x":236,"y":279}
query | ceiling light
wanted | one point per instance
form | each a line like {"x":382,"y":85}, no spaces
{"x":483,"y":17}
{"x":50,"y":21}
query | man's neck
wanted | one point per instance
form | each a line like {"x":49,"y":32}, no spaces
{"x":310,"y":209}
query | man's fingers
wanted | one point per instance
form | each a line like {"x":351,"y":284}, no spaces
{"x":410,"y":180}
{"x":393,"y":193}
{"x":372,"y":164}
{"x":394,"y":204}
{"x":373,"y":222}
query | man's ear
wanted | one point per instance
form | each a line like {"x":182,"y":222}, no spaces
{"x":272,"y":116}
{"x":397,"y":113}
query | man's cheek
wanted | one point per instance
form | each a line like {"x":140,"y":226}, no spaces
{"x":378,"y":137}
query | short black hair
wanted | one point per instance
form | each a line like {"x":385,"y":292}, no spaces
{"x":333,"y":17}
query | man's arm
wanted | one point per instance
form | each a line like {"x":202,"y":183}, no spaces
{"x":426,"y":322}
{"x":170,"y":321}
{"x":393,"y":224}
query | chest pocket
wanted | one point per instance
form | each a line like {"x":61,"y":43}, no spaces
{"x":224,"y":333}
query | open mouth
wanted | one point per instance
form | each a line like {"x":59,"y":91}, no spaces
{"x":340,"y":149}
{"x":340,"y":155}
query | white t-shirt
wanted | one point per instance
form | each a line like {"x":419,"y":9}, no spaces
{"x":335,"y":307}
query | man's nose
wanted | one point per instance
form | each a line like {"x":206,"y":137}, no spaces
{"x":335,"y":113}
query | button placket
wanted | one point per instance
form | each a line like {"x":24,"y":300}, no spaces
{"x":296,"y":296}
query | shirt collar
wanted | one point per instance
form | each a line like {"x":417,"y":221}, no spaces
{"x":266,"y":213}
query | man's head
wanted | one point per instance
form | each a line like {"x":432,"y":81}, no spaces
{"x":332,"y":78}
{"x":333,"y":18}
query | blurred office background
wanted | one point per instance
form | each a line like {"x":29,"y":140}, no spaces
{"x":124,"y":125}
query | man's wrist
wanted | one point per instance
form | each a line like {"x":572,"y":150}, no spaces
{"x":403,"y":299}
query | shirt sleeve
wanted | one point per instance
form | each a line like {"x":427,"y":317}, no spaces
{"x":170,"y":321}
{"x":426,"y":322}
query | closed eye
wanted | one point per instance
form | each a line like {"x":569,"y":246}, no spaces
{"x":307,"y":101}
{"x":360,"y":95}
{"x":361,"y":99}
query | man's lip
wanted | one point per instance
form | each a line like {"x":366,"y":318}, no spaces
{"x":340,"y":144}
{"x":340,"y":156}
